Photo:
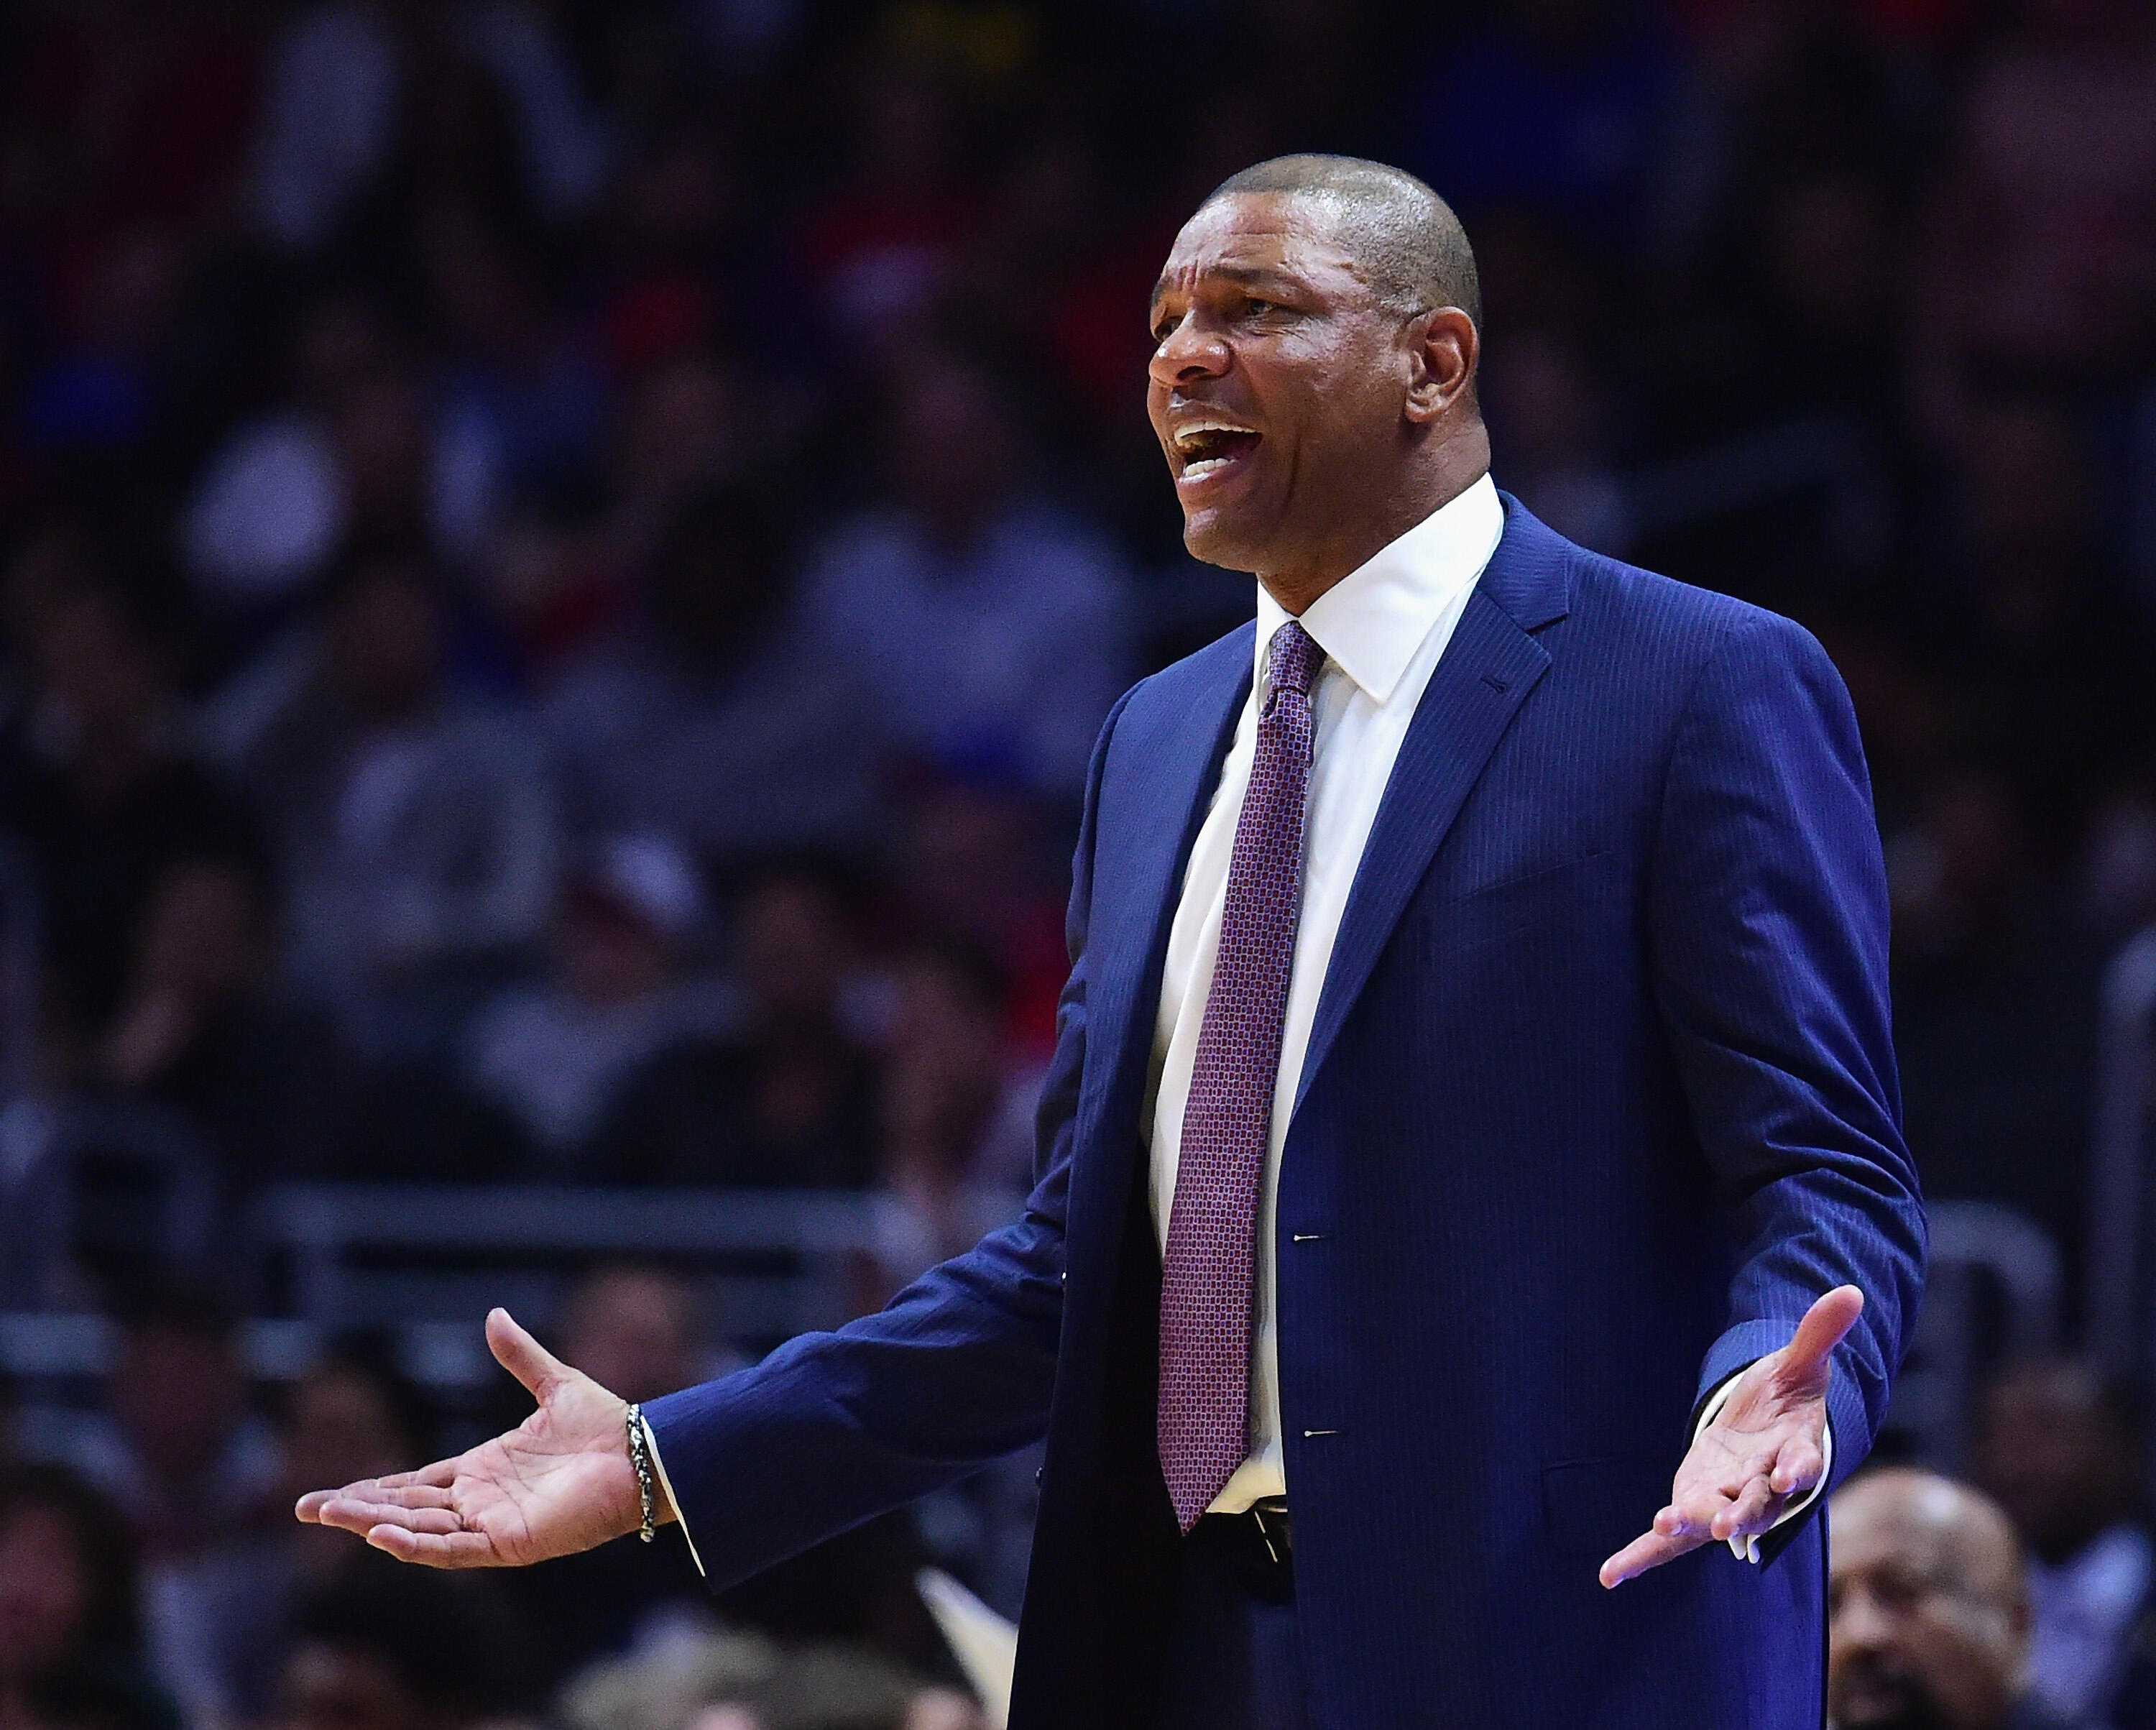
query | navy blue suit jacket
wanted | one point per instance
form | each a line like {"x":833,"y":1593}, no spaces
{"x":1599,"y":1098}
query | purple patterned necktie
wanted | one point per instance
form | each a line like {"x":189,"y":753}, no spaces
{"x":1202,"y":1429}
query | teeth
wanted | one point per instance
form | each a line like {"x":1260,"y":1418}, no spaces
{"x":1193,"y":471}
{"x":1184,"y":435}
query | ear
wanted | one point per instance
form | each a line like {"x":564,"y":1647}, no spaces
{"x":1443,"y":347}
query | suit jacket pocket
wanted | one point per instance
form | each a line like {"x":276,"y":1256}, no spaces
{"x":1595,"y":1507}
{"x":1535,"y":898}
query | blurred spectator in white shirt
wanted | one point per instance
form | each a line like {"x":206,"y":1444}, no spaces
{"x":416,"y":827}
{"x":722,"y":715}
{"x":553,"y":1054}
{"x":987,"y":620}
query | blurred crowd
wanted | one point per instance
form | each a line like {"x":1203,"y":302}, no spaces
{"x":560,"y":564}
{"x":152,"y":1577}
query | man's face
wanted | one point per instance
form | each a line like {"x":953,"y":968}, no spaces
{"x":1277,"y":386}
{"x":2054,"y":1461}
{"x":1913,"y":1642}
{"x":332,"y":1687}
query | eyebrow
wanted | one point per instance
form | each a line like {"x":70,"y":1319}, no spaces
{"x":1244,"y":276}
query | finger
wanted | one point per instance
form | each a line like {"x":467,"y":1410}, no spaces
{"x":1748,"y":1514}
{"x":422,"y":1488}
{"x":1825,"y":1325}
{"x":381,"y":1493}
{"x":365,"y":1516}
{"x":1650,"y":1549}
{"x":1799,"y":1467}
{"x":448,"y":1549}
{"x":522,"y":1356}
{"x":442,"y":1471}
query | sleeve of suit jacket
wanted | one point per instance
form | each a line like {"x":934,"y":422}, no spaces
{"x":1768,"y":925}
{"x":833,"y":1429}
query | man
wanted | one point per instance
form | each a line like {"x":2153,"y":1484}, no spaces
{"x":1928,"y":1611}
{"x":2059,"y":1448}
{"x":1473,"y":1097}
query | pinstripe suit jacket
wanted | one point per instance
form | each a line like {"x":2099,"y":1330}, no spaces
{"x":1599,"y":1097}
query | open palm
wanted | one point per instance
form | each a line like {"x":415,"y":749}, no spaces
{"x":1766,"y":1446}
{"x":560,"y":1482}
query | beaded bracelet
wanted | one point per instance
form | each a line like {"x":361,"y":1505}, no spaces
{"x":639,"y":1457}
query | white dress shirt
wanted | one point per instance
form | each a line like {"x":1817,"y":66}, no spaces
{"x":1382,"y":627}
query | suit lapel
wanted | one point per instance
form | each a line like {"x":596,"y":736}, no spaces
{"x":1168,"y":752}
{"x":1484,"y":675}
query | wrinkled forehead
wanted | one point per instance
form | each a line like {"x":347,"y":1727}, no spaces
{"x":1244,"y":236}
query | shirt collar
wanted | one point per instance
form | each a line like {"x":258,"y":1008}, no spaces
{"x":1374,"y":619}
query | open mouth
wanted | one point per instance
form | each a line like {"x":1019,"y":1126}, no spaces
{"x":1209,"y":447}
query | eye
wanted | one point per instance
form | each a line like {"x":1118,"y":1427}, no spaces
{"x":1258,"y":308}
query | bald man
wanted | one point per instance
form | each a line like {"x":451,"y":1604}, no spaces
{"x":1472,"y":1219}
{"x":1928,"y":1611}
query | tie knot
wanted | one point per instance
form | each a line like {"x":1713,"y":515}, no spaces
{"x":1293,"y":658}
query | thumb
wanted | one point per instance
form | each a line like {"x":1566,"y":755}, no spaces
{"x":522,"y":1356}
{"x":1825,"y":1325}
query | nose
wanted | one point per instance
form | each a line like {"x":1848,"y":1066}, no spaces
{"x":1189,"y":352}
{"x":1859,"y":1622}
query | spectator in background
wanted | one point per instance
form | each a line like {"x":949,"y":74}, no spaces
{"x":197,"y":1475}
{"x":642,"y":1322}
{"x":71,"y":1623}
{"x":1545,"y":408}
{"x":353,"y":1410}
{"x":988,"y":622}
{"x":2042,"y":254}
{"x":974,"y":869}
{"x":375,"y":1648}
{"x":739,"y":1681}
{"x":200,"y":1029}
{"x":722,"y":717}
{"x":361,"y":454}
{"x":520,"y":392}
{"x":947,"y":1170}
{"x":834,"y":1688}
{"x":2059,"y":1448}
{"x":108,"y":803}
{"x":789,"y":1102}
{"x":415,"y":827}
{"x":1927,"y":1616}
{"x":554,"y":1054}
{"x":881,"y":247}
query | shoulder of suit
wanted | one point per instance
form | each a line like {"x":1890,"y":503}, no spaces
{"x":1609,"y":595}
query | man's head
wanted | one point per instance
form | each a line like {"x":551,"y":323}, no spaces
{"x":178,"y":1386}
{"x":381,"y":1648}
{"x":1928,"y":1618}
{"x":1313,"y":382}
{"x":2056,"y":1445}
{"x":635,"y":1330}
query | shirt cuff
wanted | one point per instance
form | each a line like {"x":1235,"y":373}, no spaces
{"x":666,"y":1489}
{"x":1747,"y":1549}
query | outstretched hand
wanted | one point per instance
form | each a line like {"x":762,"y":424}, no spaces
{"x":1766,"y":1447}
{"x":560,"y":1482}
